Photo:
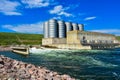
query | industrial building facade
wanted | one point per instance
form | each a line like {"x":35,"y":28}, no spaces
{"x":69,"y":35}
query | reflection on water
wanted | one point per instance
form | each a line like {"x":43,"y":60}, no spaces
{"x":96,"y":64}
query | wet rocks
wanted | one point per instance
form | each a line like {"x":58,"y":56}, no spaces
{"x":16,"y":70}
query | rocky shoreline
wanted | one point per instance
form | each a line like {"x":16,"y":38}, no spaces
{"x":2,"y":48}
{"x":11,"y":69}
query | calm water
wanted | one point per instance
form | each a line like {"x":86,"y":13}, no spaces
{"x":80,"y":64}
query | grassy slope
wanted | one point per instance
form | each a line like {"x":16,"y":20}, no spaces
{"x":19,"y":38}
{"x":118,"y":38}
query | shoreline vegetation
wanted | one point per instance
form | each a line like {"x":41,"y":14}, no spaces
{"x":11,"y":69}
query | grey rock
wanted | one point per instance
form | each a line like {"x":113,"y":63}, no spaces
{"x":1,"y":59}
{"x":56,"y":78}
{"x":48,"y":77}
{"x":11,"y":78}
{"x":9,"y":70}
{"x":21,"y":71}
{"x":1,"y":66}
{"x":25,"y":76}
{"x":2,"y":70}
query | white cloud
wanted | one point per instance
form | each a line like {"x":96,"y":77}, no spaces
{"x":89,"y":18}
{"x":65,"y":13}
{"x":59,"y":10}
{"x":26,"y":28}
{"x":12,"y":13}
{"x":36,"y":3}
{"x":110,"y":31}
{"x":9,"y":7}
{"x":56,"y":17}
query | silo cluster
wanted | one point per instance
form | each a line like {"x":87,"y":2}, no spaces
{"x":59,"y":29}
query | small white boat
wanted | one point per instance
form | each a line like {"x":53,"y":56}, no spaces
{"x":21,"y":50}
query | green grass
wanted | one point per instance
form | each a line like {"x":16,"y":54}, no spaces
{"x":118,"y":38}
{"x":20,"y":38}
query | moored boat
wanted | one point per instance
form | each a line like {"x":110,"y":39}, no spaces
{"x":21,"y":50}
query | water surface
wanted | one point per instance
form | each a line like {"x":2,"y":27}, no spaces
{"x":80,"y":64}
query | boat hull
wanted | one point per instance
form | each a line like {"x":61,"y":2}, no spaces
{"x":20,"y":50}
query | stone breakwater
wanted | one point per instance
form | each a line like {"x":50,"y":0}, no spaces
{"x":16,"y":70}
{"x":5,"y":48}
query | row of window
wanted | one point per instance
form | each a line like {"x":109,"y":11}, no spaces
{"x":96,"y":41}
{"x":92,"y":35}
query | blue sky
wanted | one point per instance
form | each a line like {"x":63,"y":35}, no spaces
{"x":27,"y":16}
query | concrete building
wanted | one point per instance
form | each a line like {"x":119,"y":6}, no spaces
{"x":67,"y":35}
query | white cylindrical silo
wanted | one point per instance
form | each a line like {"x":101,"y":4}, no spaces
{"x":53,"y":28}
{"x":81,"y":27}
{"x":61,"y":29}
{"x":75,"y":26}
{"x":46,"y":30}
{"x":68,"y":26}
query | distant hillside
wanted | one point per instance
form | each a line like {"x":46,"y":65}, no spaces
{"x":20,"y":38}
{"x":118,"y":38}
